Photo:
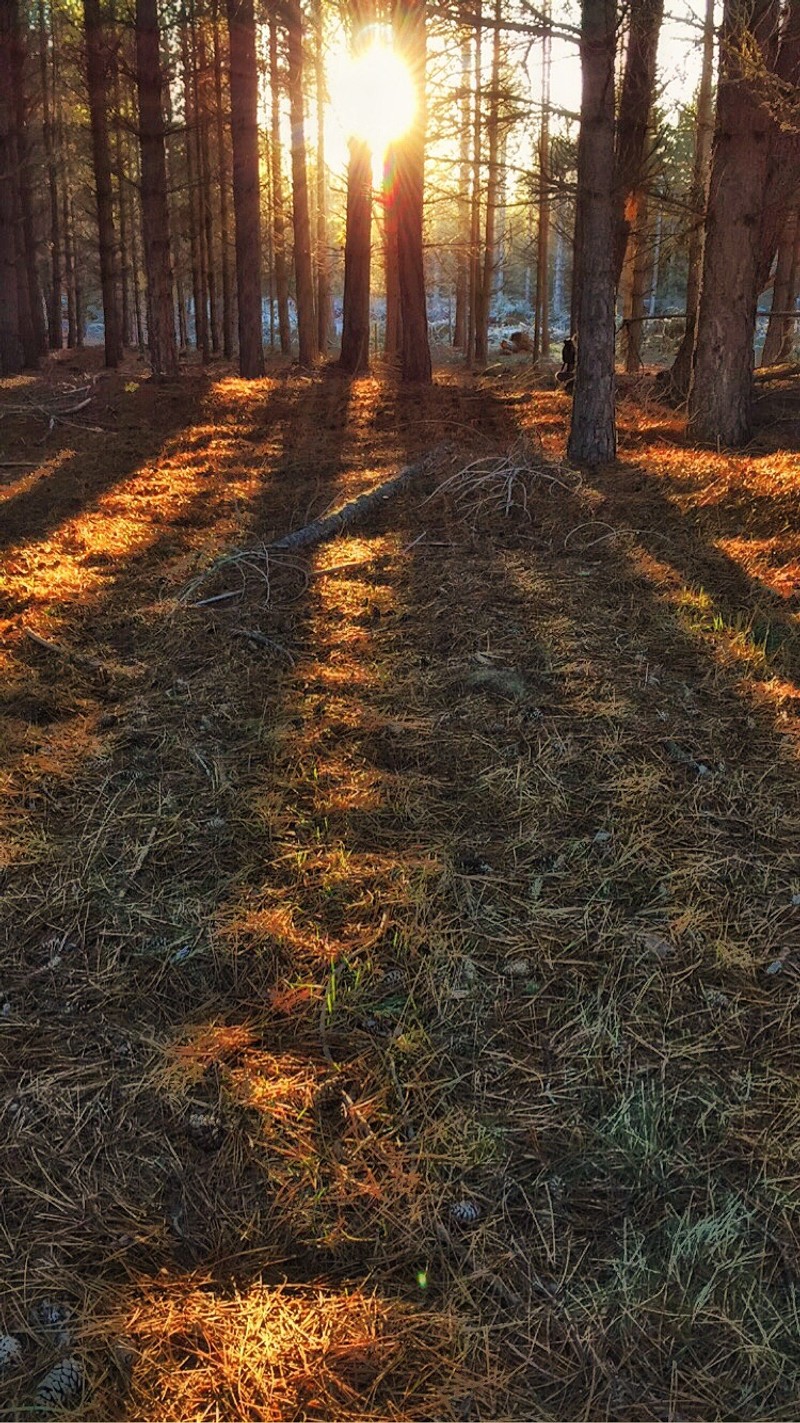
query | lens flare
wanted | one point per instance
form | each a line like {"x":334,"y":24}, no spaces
{"x":372,"y":95}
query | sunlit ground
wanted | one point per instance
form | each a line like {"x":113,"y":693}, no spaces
{"x":398,"y":1010}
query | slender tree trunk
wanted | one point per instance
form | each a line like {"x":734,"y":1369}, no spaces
{"x":122,"y":209}
{"x":11,"y":352}
{"x":278,"y":206}
{"x":68,"y":229}
{"x":391,"y":340}
{"x":637,"y":267}
{"x":681,"y":371}
{"x":462,"y":251}
{"x":202,"y":81}
{"x":97,"y":81}
{"x":541,"y":329}
{"x":592,"y":436}
{"x":193,"y":184}
{"x":783,"y":163}
{"x":32,"y":325}
{"x":155,"y":207}
{"x":324,"y":307}
{"x":222,"y":181}
{"x":246,"y":186}
{"x":778,"y":329}
{"x":80,"y":313}
{"x":475,"y":212}
{"x":303,"y":270}
{"x":415,"y":353}
{"x":48,"y":142}
{"x":721,"y":395}
{"x":492,"y":130}
{"x":354,"y":357}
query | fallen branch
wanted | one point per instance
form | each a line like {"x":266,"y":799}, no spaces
{"x":329,"y":525}
{"x":80,"y":659}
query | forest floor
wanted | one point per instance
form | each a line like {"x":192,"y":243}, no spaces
{"x":399,"y":1009}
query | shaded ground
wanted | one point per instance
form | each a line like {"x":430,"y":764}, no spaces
{"x":397,"y":1007}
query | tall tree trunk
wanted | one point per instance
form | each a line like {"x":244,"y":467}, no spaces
{"x":246,"y":185}
{"x":721,"y":395}
{"x":98,"y":87}
{"x":11,"y":352}
{"x":462,"y":249}
{"x":354,"y":357}
{"x":49,"y":145}
{"x":492,"y":129}
{"x":592,"y":435}
{"x":31,"y":323}
{"x":68,"y":228}
{"x":783,"y":165}
{"x":223,"y":168}
{"x":637,"y":269}
{"x":779,"y":328}
{"x":202,"y":83}
{"x":122,"y":208}
{"x":415,"y":352}
{"x":324,"y":307}
{"x":391,"y":339}
{"x":155,"y":207}
{"x":303,"y":270}
{"x":681,"y":370}
{"x":541,"y":328}
{"x":278,"y":206}
{"x":193,"y":199}
{"x":475,"y":205}
{"x":636,"y":101}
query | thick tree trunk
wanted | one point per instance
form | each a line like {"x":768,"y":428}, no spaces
{"x":776,"y":344}
{"x":636,"y":101}
{"x":681,"y":371}
{"x":592,"y":436}
{"x":492,"y":130}
{"x":303,"y":270}
{"x":354,"y":356}
{"x":278,"y":206}
{"x":97,"y":82}
{"x":721,"y":394}
{"x":783,"y":166}
{"x":155,"y":208}
{"x":415,"y":353}
{"x":246,"y":193}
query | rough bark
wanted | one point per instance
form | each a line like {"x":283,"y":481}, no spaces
{"x":636,"y":101}
{"x":721,"y":394}
{"x":473,"y":264}
{"x":783,"y":165}
{"x":155,"y":209}
{"x":354,"y":356}
{"x":778,"y":340}
{"x":541,"y":325}
{"x":193,"y":206}
{"x":681,"y":371}
{"x":415,"y":354}
{"x":246,"y":195}
{"x":31,"y":323}
{"x":592,"y":435}
{"x":99,"y":97}
{"x":303,"y":269}
{"x":278,"y":207}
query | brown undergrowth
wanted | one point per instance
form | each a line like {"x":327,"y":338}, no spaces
{"x":399,"y":951}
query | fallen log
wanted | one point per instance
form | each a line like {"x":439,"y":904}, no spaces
{"x":329,"y":525}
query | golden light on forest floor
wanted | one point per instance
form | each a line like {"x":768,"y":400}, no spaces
{"x":401,"y":1007}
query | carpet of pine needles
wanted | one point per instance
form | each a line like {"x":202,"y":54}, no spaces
{"x":399,"y":954}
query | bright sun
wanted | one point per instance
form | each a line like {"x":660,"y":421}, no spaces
{"x":372,"y":95}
